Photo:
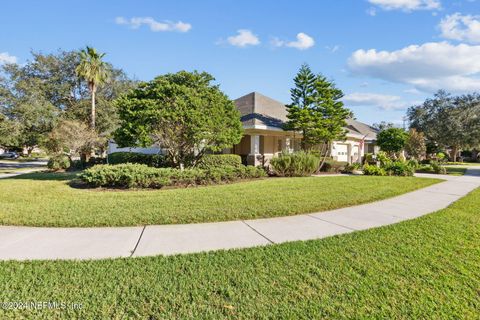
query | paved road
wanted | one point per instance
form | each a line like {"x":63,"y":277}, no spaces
{"x":21,"y":243}
{"x":26,"y":167}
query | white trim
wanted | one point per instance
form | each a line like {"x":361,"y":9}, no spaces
{"x":263,"y":127}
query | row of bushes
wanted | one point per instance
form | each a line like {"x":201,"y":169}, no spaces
{"x":142,"y":176}
{"x":394,"y":168}
{"x":62,"y":162}
{"x":160,"y":161}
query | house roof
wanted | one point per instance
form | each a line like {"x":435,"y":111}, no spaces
{"x":258,"y":110}
{"x":364,"y":129}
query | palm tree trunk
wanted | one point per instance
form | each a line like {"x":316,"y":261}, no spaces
{"x":92,"y":116}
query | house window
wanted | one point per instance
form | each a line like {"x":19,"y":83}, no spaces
{"x":279,"y":144}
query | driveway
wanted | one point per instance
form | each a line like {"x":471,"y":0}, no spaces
{"x":10,"y":168}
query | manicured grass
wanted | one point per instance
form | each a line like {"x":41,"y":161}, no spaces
{"x":47,"y":200}
{"x":427,"y":268}
{"x":456,"y":171}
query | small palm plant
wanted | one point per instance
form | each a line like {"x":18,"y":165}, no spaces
{"x":94,"y":71}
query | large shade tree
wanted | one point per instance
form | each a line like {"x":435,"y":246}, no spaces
{"x":448,"y":122}
{"x":316,"y":111}
{"x":184,"y":113}
{"x":46,"y":89}
{"x":95,"y":72}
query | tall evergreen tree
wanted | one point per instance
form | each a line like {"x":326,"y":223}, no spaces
{"x":298,"y":111}
{"x":316,"y":111}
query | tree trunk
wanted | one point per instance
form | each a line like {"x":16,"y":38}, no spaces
{"x":324,"y":154}
{"x":92,"y":116}
{"x":453,"y":154}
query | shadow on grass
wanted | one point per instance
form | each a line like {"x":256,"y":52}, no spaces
{"x":56,"y":176}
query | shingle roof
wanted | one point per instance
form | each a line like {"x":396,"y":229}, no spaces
{"x":257,"y":109}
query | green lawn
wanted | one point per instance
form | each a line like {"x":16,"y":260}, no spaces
{"x":42,"y":199}
{"x":427,"y":268}
{"x":456,"y":170}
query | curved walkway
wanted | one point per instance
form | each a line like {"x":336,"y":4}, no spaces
{"x":30,"y":243}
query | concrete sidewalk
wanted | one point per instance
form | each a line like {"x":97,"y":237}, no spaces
{"x":25,"y":243}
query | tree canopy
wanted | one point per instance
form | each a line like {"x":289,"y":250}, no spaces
{"x":416,"y":144}
{"x":392,"y":140}
{"x":316,"y":109}
{"x":184,"y":113}
{"x":36,"y":95}
{"x":449,"y":122}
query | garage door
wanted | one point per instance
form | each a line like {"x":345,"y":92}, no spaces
{"x":342,"y":152}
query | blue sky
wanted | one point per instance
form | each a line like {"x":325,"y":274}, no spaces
{"x":384,"y":54}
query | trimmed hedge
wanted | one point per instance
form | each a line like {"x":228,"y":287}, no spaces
{"x":142,"y":176}
{"x":151,"y":160}
{"x":219,"y":160}
{"x":298,"y":164}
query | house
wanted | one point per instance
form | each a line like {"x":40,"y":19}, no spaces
{"x":263,"y":119}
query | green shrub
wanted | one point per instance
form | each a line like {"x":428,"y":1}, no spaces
{"x":298,"y":164}
{"x":151,"y":160}
{"x":413,"y":163}
{"x":373,"y":170}
{"x":142,"y":176}
{"x":219,"y":160}
{"x":333,"y":166}
{"x":437,"y":168}
{"x":350,"y":168}
{"x":399,"y":168}
{"x":383,"y":158}
{"x":441,"y":156}
{"x":58,"y":162}
{"x":370,"y":158}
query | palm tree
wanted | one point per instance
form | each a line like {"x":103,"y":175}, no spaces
{"x":93,"y":70}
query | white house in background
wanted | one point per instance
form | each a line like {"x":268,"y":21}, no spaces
{"x":263,"y":119}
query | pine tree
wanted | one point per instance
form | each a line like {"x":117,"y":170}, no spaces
{"x":316,"y":111}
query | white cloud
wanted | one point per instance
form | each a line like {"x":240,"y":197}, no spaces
{"x":381,"y":101}
{"x":333,"y":49}
{"x":461,"y":27}
{"x":303,"y":42}
{"x":7,"y":58}
{"x":407,"y":5}
{"x":427,"y":67}
{"x":244,"y":38}
{"x":371,"y":11}
{"x":155,"y":26}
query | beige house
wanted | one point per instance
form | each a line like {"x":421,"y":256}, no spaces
{"x":263,"y":119}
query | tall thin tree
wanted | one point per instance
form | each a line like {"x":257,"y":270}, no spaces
{"x":94,"y":71}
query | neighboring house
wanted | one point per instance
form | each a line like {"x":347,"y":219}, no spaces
{"x":263,"y":119}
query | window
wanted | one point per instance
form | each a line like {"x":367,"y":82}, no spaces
{"x":279,"y":144}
